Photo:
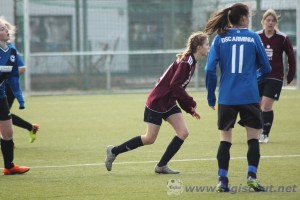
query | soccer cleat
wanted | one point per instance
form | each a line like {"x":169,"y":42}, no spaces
{"x":32,"y":133}
{"x":255,"y":184}
{"x":263,"y":138}
{"x":223,"y":185}
{"x":110,"y":157}
{"x":165,"y":170}
{"x":15,"y":170}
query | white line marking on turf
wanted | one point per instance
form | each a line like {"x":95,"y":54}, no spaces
{"x":155,"y":161}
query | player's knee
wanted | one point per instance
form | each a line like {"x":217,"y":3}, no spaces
{"x":183,"y":134}
{"x":148,"y":140}
{"x":7,"y":135}
{"x":266,"y":106}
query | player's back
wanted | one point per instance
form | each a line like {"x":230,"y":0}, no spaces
{"x":238,"y":57}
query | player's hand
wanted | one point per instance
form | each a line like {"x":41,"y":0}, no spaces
{"x":195,"y":114}
{"x":212,"y":107}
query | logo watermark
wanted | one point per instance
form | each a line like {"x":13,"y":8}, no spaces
{"x":176,"y":187}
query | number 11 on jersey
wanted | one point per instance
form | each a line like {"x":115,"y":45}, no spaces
{"x":233,"y":58}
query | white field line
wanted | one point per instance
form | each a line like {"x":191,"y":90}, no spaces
{"x":155,"y":161}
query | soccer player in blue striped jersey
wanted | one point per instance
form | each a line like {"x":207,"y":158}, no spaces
{"x":162,"y":105}
{"x":239,"y":53}
{"x":13,"y":91}
{"x":7,"y":58}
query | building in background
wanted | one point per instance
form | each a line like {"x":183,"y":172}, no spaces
{"x":90,"y":45}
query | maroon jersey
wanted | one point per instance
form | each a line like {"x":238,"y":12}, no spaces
{"x":275,"y":46}
{"x":171,"y":87}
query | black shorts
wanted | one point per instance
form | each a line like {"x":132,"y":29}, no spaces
{"x":250,"y":115}
{"x":156,"y":117}
{"x":4,"y":110}
{"x":270,"y":88}
{"x":9,"y":95}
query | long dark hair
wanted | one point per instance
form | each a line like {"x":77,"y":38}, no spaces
{"x":223,"y":20}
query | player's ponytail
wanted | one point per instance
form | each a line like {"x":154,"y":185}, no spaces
{"x":196,"y":39}
{"x":218,"y":23}
{"x":223,"y":20}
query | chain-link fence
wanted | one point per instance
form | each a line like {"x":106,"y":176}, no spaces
{"x":101,"y":45}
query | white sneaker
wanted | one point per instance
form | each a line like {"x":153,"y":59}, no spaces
{"x":263,"y":138}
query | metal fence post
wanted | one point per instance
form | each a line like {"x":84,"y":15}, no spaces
{"x":26,"y":14}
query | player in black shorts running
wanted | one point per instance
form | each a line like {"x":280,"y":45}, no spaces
{"x":161,"y":104}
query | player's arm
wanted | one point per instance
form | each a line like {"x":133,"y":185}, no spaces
{"x":211,"y":73}
{"x":22,"y":70}
{"x":177,"y":83}
{"x":288,"y":49}
{"x":21,"y":66}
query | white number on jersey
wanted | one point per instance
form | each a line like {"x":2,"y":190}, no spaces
{"x":233,"y":58}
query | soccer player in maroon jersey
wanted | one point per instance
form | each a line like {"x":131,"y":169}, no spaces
{"x":275,"y":43}
{"x":161,"y":104}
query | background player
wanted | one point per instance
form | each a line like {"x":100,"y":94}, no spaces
{"x":8,"y":57}
{"x":16,"y":120}
{"x":275,"y":43}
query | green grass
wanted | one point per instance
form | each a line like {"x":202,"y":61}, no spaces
{"x":67,"y":158}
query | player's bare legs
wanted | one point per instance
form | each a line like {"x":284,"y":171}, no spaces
{"x":6,"y":129}
{"x":179,"y":125}
{"x":151,"y":134}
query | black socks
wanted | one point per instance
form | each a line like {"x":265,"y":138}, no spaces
{"x":136,"y":142}
{"x":128,"y":145}
{"x":267,"y":121}
{"x":171,"y":150}
{"x":253,"y":157}
{"x":21,"y":122}
{"x":7,"y":148}
{"x":223,"y":155}
{"x":253,"y":154}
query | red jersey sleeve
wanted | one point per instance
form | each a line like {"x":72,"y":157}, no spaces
{"x":288,"y":49}
{"x":181,"y":78}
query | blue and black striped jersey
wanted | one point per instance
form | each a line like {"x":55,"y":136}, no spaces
{"x":239,"y":53}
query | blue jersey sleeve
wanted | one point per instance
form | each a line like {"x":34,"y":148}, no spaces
{"x":14,"y":80}
{"x":211,"y":72}
{"x":20,"y":60}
